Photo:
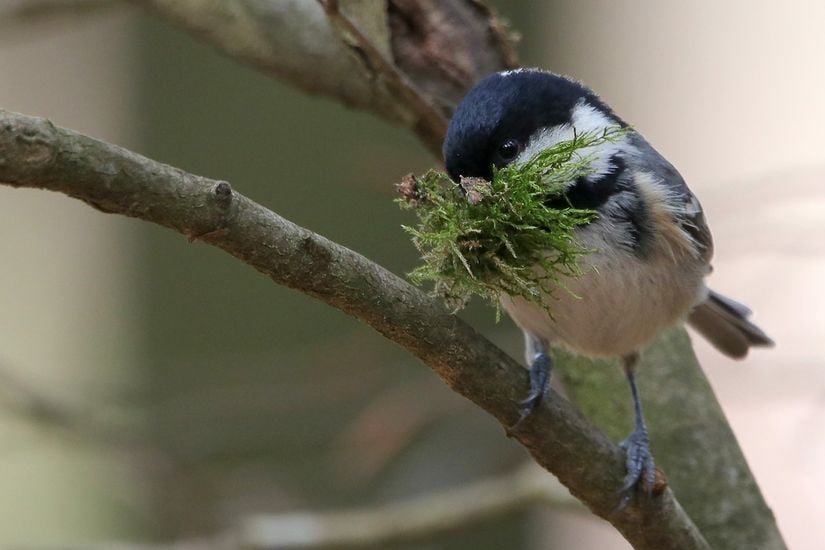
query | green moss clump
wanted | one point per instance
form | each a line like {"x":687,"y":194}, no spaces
{"x":486,"y":238}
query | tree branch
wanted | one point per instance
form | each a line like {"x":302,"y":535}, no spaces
{"x":34,"y":153}
{"x":431,"y":126}
{"x":407,"y":61}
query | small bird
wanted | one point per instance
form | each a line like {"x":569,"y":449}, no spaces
{"x":650,"y":246}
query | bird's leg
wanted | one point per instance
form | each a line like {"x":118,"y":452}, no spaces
{"x":541,"y":366}
{"x":637,"y":445}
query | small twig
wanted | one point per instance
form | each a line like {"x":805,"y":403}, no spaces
{"x":431,"y":126}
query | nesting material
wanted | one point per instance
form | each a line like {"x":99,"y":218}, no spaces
{"x":502,"y":236}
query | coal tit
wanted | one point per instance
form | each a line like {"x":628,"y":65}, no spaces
{"x":651,"y":247}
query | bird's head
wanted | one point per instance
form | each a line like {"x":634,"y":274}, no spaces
{"x":510,"y":116}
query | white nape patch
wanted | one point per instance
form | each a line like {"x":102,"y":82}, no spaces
{"x":522,"y":70}
{"x":692,"y":208}
{"x":584,"y":119}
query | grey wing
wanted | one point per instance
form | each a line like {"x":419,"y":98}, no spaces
{"x":690,"y":216}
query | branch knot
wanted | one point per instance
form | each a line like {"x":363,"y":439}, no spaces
{"x":222,"y":192}
{"x":31,"y":144}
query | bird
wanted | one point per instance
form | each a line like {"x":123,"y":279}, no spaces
{"x":649,"y":246}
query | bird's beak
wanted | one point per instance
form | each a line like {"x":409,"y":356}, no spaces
{"x":475,"y":189}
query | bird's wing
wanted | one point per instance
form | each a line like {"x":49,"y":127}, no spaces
{"x":685,"y":206}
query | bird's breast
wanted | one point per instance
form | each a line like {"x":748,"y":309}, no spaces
{"x":620,"y":303}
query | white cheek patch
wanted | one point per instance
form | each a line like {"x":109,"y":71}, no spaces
{"x":585,"y":119}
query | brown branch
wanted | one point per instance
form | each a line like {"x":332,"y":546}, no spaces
{"x":414,"y":59}
{"x":430,"y":125}
{"x":34,"y":153}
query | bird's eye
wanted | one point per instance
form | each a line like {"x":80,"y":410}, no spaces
{"x":509,"y":150}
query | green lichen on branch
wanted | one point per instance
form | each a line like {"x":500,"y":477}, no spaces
{"x":506,"y":235}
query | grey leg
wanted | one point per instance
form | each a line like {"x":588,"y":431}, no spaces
{"x":541,"y":366}
{"x":637,"y":445}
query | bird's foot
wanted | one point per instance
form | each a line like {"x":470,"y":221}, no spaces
{"x":639,"y":463}
{"x":540,"y":370}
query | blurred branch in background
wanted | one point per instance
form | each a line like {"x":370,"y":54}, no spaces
{"x":386,"y":426}
{"x":21,"y":400}
{"x":412,"y":520}
{"x":95,"y":426}
{"x":17,"y":16}
{"x":415,"y":519}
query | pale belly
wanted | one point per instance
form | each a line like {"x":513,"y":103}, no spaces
{"x":621,"y":303}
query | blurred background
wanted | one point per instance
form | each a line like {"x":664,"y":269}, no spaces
{"x":154,"y":389}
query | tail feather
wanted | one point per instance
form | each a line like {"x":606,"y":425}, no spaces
{"x":724,"y":322}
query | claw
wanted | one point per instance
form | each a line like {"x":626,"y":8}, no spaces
{"x":540,"y":370}
{"x":528,"y":405}
{"x":639,"y":464}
